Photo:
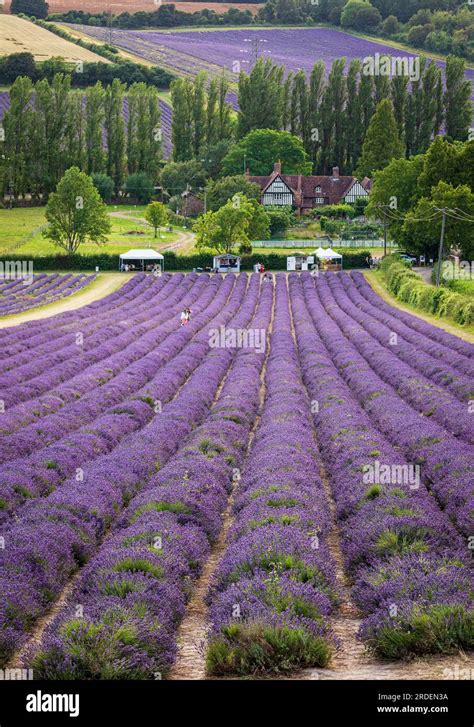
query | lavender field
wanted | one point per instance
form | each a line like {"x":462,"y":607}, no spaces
{"x":20,"y":295}
{"x":296,"y":457}
{"x":187,"y":53}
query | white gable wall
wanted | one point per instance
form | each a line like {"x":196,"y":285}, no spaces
{"x":278,"y":194}
{"x":355,"y":192}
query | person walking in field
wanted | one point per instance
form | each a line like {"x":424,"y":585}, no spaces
{"x":185,"y":316}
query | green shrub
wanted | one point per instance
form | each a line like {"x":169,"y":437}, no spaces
{"x":409,"y":287}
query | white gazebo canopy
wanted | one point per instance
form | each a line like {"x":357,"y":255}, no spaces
{"x":328,"y":254}
{"x":146,"y":254}
{"x":142,"y":256}
{"x":318,"y":252}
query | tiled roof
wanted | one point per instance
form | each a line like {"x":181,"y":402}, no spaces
{"x":333,"y":188}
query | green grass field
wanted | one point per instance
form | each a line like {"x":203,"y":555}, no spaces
{"x":21,"y":233}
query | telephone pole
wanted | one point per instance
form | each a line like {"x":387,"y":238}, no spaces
{"x":441,"y":244}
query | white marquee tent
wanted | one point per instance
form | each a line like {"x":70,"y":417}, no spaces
{"x":141,"y":257}
{"x":329,"y":255}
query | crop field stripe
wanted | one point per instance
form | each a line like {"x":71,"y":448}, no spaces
{"x":436,"y":357}
{"x":143,"y":521}
{"x":42,"y":374}
{"x":295,"y":48}
{"x":433,"y":332}
{"x":17,"y":297}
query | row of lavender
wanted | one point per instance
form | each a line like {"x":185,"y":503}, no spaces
{"x":18,"y":295}
{"x":57,"y":533}
{"x":275,"y":588}
{"x":410,"y":568}
{"x":132,"y":595}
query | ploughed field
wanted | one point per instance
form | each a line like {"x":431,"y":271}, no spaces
{"x":20,"y":295}
{"x":325,"y":433}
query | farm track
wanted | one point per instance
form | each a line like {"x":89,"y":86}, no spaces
{"x":184,"y":240}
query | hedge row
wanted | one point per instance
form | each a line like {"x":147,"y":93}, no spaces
{"x":107,"y":262}
{"x":409,"y":287}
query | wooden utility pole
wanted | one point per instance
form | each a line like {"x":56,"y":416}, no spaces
{"x":441,"y":244}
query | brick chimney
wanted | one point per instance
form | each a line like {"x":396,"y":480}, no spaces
{"x":277,"y":167}
{"x":335,"y":172}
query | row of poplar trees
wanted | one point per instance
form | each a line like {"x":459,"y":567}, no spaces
{"x":331,"y":112}
{"x":331,"y":115}
{"x":49,"y":127}
{"x":202,"y":116}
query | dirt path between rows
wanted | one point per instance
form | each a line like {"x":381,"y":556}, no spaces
{"x":192,"y":634}
{"x":103,"y":285}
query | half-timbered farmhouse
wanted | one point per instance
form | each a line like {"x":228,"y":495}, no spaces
{"x":306,"y":193}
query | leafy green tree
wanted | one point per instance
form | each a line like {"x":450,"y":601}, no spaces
{"x":423,"y":229}
{"x":76,"y":213}
{"x":360,"y":15}
{"x":390,"y":26}
{"x":259,"y":225}
{"x":417,"y":35}
{"x":353,"y":131}
{"x":382,"y":142}
{"x":156,"y":215}
{"x":93,"y":132}
{"x":394,"y":192}
{"x":51,"y":106}
{"x":176,"y":177}
{"x":144,"y":134}
{"x":104,"y":185}
{"x":213,"y":155}
{"x":115,"y":130}
{"x":17,"y":64}
{"x":33,"y":8}
{"x":280,"y":220}
{"x":182,"y":129}
{"x":139,"y":186}
{"x":457,"y":99}
{"x":199,"y":113}
{"x":219,"y":193}
{"x":231,"y":225}
{"x":260,"y":98}
{"x":18,"y":124}
{"x":260,"y":148}
{"x":440,"y":163}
